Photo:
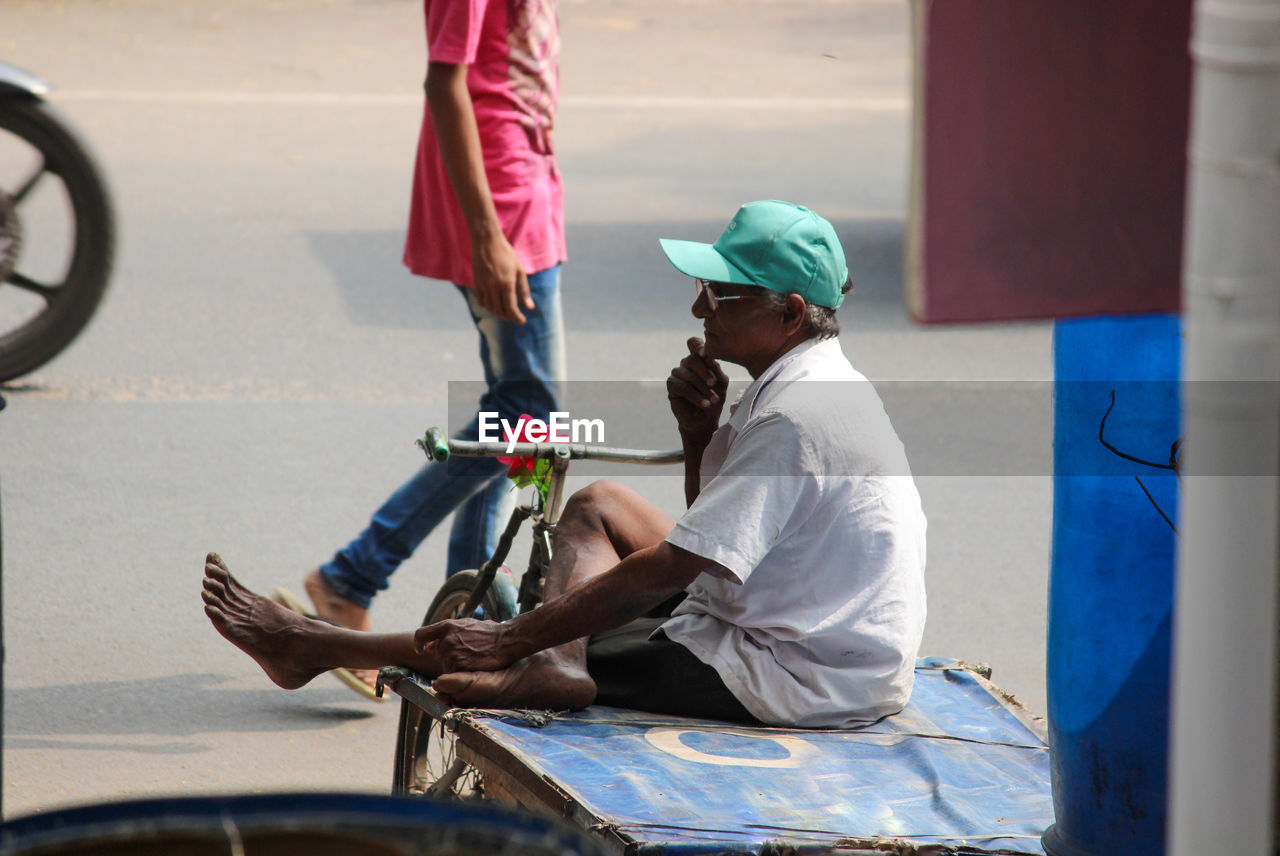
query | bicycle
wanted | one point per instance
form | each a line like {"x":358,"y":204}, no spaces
{"x":424,"y":728}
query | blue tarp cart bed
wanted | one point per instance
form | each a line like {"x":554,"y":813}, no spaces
{"x":963,"y":769}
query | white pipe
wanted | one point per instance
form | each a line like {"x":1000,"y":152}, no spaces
{"x":1223,"y":745}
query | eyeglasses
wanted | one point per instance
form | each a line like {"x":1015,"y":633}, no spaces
{"x":703,"y":286}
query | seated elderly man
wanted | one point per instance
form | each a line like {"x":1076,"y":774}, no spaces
{"x":790,"y":592}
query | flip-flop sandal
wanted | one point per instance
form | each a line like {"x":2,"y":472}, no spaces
{"x":290,"y":601}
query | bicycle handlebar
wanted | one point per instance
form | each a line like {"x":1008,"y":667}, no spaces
{"x":435,"y":445}
{"x":440,"y":449}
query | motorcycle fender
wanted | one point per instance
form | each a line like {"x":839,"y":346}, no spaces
{"x":15,"y":81}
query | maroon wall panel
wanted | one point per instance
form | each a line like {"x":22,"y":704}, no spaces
{"x":1050,"y":157}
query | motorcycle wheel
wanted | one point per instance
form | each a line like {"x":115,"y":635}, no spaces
{"x":47,"y":179}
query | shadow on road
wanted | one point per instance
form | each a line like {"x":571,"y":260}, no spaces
{"x":616,"y":279}
{"x":172,"y":705}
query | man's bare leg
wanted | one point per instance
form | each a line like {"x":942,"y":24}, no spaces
{"x":333,"y":607}
{"x":601,"y":525}
{"x":292,"y":649}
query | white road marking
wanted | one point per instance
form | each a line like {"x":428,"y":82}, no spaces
{"x":584,"y":102}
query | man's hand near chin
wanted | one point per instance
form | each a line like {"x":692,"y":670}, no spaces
{"x":696,"y":389}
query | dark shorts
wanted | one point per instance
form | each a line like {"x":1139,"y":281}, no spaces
{"x":658,"y":675}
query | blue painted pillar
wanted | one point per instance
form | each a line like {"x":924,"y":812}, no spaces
{"x":1116,"y":423}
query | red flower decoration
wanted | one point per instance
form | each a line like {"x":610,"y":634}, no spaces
{"x":527,"y":471}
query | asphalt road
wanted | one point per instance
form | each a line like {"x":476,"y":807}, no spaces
{"x":257,"y":374}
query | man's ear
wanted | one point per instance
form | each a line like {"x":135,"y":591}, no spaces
{"x":793,"y":313}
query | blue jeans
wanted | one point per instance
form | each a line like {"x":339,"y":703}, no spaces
{"x":523,"y":369}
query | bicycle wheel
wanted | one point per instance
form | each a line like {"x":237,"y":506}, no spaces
{"x":57,"y":235}
{"x":424,"y":747}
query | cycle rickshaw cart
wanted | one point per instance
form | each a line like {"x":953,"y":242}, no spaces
{"x":963,"y":769}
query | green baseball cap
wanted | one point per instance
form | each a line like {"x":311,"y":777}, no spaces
{"x":776,"y":245}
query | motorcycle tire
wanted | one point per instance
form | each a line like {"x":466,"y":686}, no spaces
{"x":69,"y":304}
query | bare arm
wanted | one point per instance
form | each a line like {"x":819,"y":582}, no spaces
{"x":693,"y":449}
{"x":628,"y":590}
{"x":501,"y":283}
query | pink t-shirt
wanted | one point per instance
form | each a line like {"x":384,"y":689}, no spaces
{"x":512,"y":48}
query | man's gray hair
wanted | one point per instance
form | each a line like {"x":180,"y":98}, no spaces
{"x":820,"y":321}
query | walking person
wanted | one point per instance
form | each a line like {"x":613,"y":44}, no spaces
{"x":487,"y":215}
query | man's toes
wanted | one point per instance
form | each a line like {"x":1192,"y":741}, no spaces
{"x":219,"y":580}
{"x":213,"y":572}
{"x":214,"y":588}
{"x":214,"y":566}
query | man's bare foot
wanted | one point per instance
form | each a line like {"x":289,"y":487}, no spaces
{"x":332,"y":606}
{"x":545,"y":680}
{"x":275,"y":637}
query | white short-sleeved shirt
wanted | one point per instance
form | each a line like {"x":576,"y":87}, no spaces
{"x":808,"y":502}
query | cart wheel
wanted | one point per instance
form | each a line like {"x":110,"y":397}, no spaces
{"x":424,"y":747}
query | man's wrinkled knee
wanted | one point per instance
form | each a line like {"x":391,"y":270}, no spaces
{"x":612,"y":514}
{"x":596,"y":503}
